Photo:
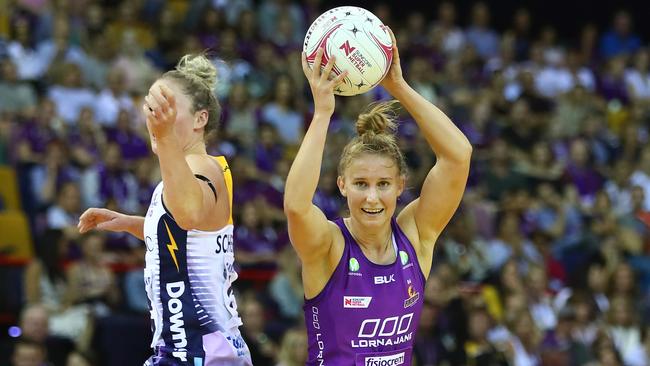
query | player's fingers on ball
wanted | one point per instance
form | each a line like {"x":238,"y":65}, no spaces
{"x":339,"y":79}
{"x":315,"y":69}
{"x":305,"y":65}
{"x":392,"y":35}
{"x":328,"y":68}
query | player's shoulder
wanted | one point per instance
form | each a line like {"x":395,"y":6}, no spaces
{"x":205,"y":165}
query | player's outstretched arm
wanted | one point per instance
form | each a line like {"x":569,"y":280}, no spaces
{"x":103,"y":219}
{"x":444,"y":185}
{"x":189,"y":199}
{"x":309,"y":229}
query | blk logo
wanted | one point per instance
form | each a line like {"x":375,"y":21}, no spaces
{"x":347,"y":48}
{"x":380,"y":280}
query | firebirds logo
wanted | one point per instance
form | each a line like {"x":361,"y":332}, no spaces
{"x":413,"y":297}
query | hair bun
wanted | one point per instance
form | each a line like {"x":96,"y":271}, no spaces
{"x":379,"y":118}
{"x":199,"y":68}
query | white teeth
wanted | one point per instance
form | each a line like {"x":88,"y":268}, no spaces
{"x":375,"y":211}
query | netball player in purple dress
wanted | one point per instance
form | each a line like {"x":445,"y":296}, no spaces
{"x":364,"y":275}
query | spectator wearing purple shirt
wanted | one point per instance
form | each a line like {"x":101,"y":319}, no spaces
{"x":429,"y":348}
{"x":132,"y":145}
{"x":579,"y":172}
{"x":50,"y":176}
{"x":267,"y":150}
{"x":248,"y":35}
{"x":256,"y":243}
{"x":87,"y":139}
{"x":328,"y":197}
{"x":611,"y":84}
{"x":110,"y":181}
{"x":33,"y":135}
{"x":212,"y":21}
{"x":250,"y":183}
{"x":146,"y":182}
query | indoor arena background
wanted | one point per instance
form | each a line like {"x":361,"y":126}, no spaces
{"x":546,"y":261}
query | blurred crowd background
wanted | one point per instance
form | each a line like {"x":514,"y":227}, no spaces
{"x":545,"y":263}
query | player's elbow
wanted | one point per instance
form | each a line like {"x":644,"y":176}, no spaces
{"x":463,"y":153}
{"x":466,"y":151}
{"x":294,"y":207}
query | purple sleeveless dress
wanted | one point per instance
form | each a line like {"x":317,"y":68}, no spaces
{"x":367,"y":314}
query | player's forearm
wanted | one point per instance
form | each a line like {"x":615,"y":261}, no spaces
{"x":182,"y":193}
{"x":446,"y":140}
{"x":135,"y":226}
{"x":305,"y":171}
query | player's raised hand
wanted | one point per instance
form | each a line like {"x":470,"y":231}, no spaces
{"x":160,"y":111}
{"x":394,"y":77}
{"x":322,"y":87}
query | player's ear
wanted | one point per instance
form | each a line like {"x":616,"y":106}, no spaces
{"x":340,"y":182}
{"x":201,"y":119}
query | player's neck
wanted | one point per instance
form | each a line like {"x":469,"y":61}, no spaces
{"x":375,"y":243}
{"x":197,"y":147}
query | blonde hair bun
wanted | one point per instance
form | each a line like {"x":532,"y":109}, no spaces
{"x":378,"y":118}
{"x":198,"y":68}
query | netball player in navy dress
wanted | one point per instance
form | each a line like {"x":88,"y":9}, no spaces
{"x":188,"y":229}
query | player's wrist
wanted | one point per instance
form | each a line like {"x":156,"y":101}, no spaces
{"x":323,"y":114}
{"x":395,"y":88}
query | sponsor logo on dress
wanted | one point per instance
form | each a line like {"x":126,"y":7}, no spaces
{"x":177,"y":326}
{"x":172,"y":247}
{"x":382,"y":280}
{"x":356,"y":302}
{"x":380,"y":332}
{"x":404,"y":257}
{"x":413,"y":297}
{"x":392,"y":360}
{"x":354,"y":267}
{"x":354,"y":264}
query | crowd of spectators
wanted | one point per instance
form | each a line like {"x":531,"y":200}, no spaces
{"x":547,"y":261}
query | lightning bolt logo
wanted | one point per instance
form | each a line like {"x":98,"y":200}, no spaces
{"x":172,"y":247}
